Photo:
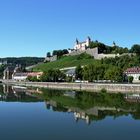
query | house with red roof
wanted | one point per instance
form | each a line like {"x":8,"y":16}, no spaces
{"x":134,"y":72}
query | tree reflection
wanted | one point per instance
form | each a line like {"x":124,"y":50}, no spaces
{"x":83,"y":105}
{"x":92,"y":106}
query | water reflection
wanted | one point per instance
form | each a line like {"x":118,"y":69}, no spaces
{"x":83,"y":105}
{"x":94,"y":107}
{"x":18,"y":93}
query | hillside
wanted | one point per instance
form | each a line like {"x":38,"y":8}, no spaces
{"x":67,"y":61}
{"x":24,"y":61}
{"x":120,"y":63}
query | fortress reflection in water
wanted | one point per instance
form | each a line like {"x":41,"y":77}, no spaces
{"x":84,"y":106}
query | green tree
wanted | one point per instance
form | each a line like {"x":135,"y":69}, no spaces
{"x":44,"y":77}
{"x":60,"y":53}
{"x":114,"y":74}
{"x":79,"y":72}
{"x":101,"y":47}
{"x":48,"y":54}
{"x":53,"y":76}
{"x":2,"y":67}
{"x":91,"y":72}
{"x":85,"y":73}
{"x":32,"y":78}
{"x":130,"y":79}
{"x":135,"y":49}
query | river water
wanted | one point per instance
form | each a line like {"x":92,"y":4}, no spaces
{"x":43,"y":114}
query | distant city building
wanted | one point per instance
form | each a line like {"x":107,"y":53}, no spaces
{"x":3,"y":62}
{"x":82,"y":45}
{"x":134,"y":72}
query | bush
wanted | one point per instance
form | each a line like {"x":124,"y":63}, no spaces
{"x":84,"y":56}
{"x":130,"y":79}
{"x":103,"y":90}
{"x":32,"y":79}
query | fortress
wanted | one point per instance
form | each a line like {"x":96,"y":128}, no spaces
{"x":83,"y":47}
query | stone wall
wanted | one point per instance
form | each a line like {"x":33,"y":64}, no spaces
{"x":51,"y":59}
{"x":101,"y":56}
{"x":75,"y":52}
{"x":114,"y":88}
{"x":94,"y":52}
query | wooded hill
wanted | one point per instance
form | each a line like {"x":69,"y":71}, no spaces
{"x":24,"y":61}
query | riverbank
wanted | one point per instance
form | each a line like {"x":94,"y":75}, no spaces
{"x":95,"y":87}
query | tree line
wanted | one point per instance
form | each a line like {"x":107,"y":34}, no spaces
{"x":115,"y":49}
{"x":59,"y":53}
{"x":24,"y":61}
{"x":99,"y":72}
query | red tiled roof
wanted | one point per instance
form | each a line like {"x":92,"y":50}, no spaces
{"x":133,"y":70}
{"x":35,"y":73}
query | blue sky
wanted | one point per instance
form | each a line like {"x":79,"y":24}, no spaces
{"x":34,"y":27}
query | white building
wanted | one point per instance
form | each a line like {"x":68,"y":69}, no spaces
{"x":82,"y":45}
{"x":20,"y":76}
{"x":134,"y":72}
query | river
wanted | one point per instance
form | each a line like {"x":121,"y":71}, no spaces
{"x":44,"y":114}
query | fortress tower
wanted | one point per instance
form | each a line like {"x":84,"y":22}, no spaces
{"x":81,"y":46}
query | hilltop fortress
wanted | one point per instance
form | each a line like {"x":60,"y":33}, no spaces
{"x":84,"y":47}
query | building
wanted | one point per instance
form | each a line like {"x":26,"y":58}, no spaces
{"x":35,"y":74}
{"x":70,"y":73}
{"x":132,"y":97}
{"x":4,"y":62}
{"x":82,"y":46}
{"x":134,"y":72}
{"x":14,"y":73}
{"x":22,"y":76}
{"x":10,"y":71}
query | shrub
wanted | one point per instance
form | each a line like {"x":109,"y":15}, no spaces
{"x":130,"y":79}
